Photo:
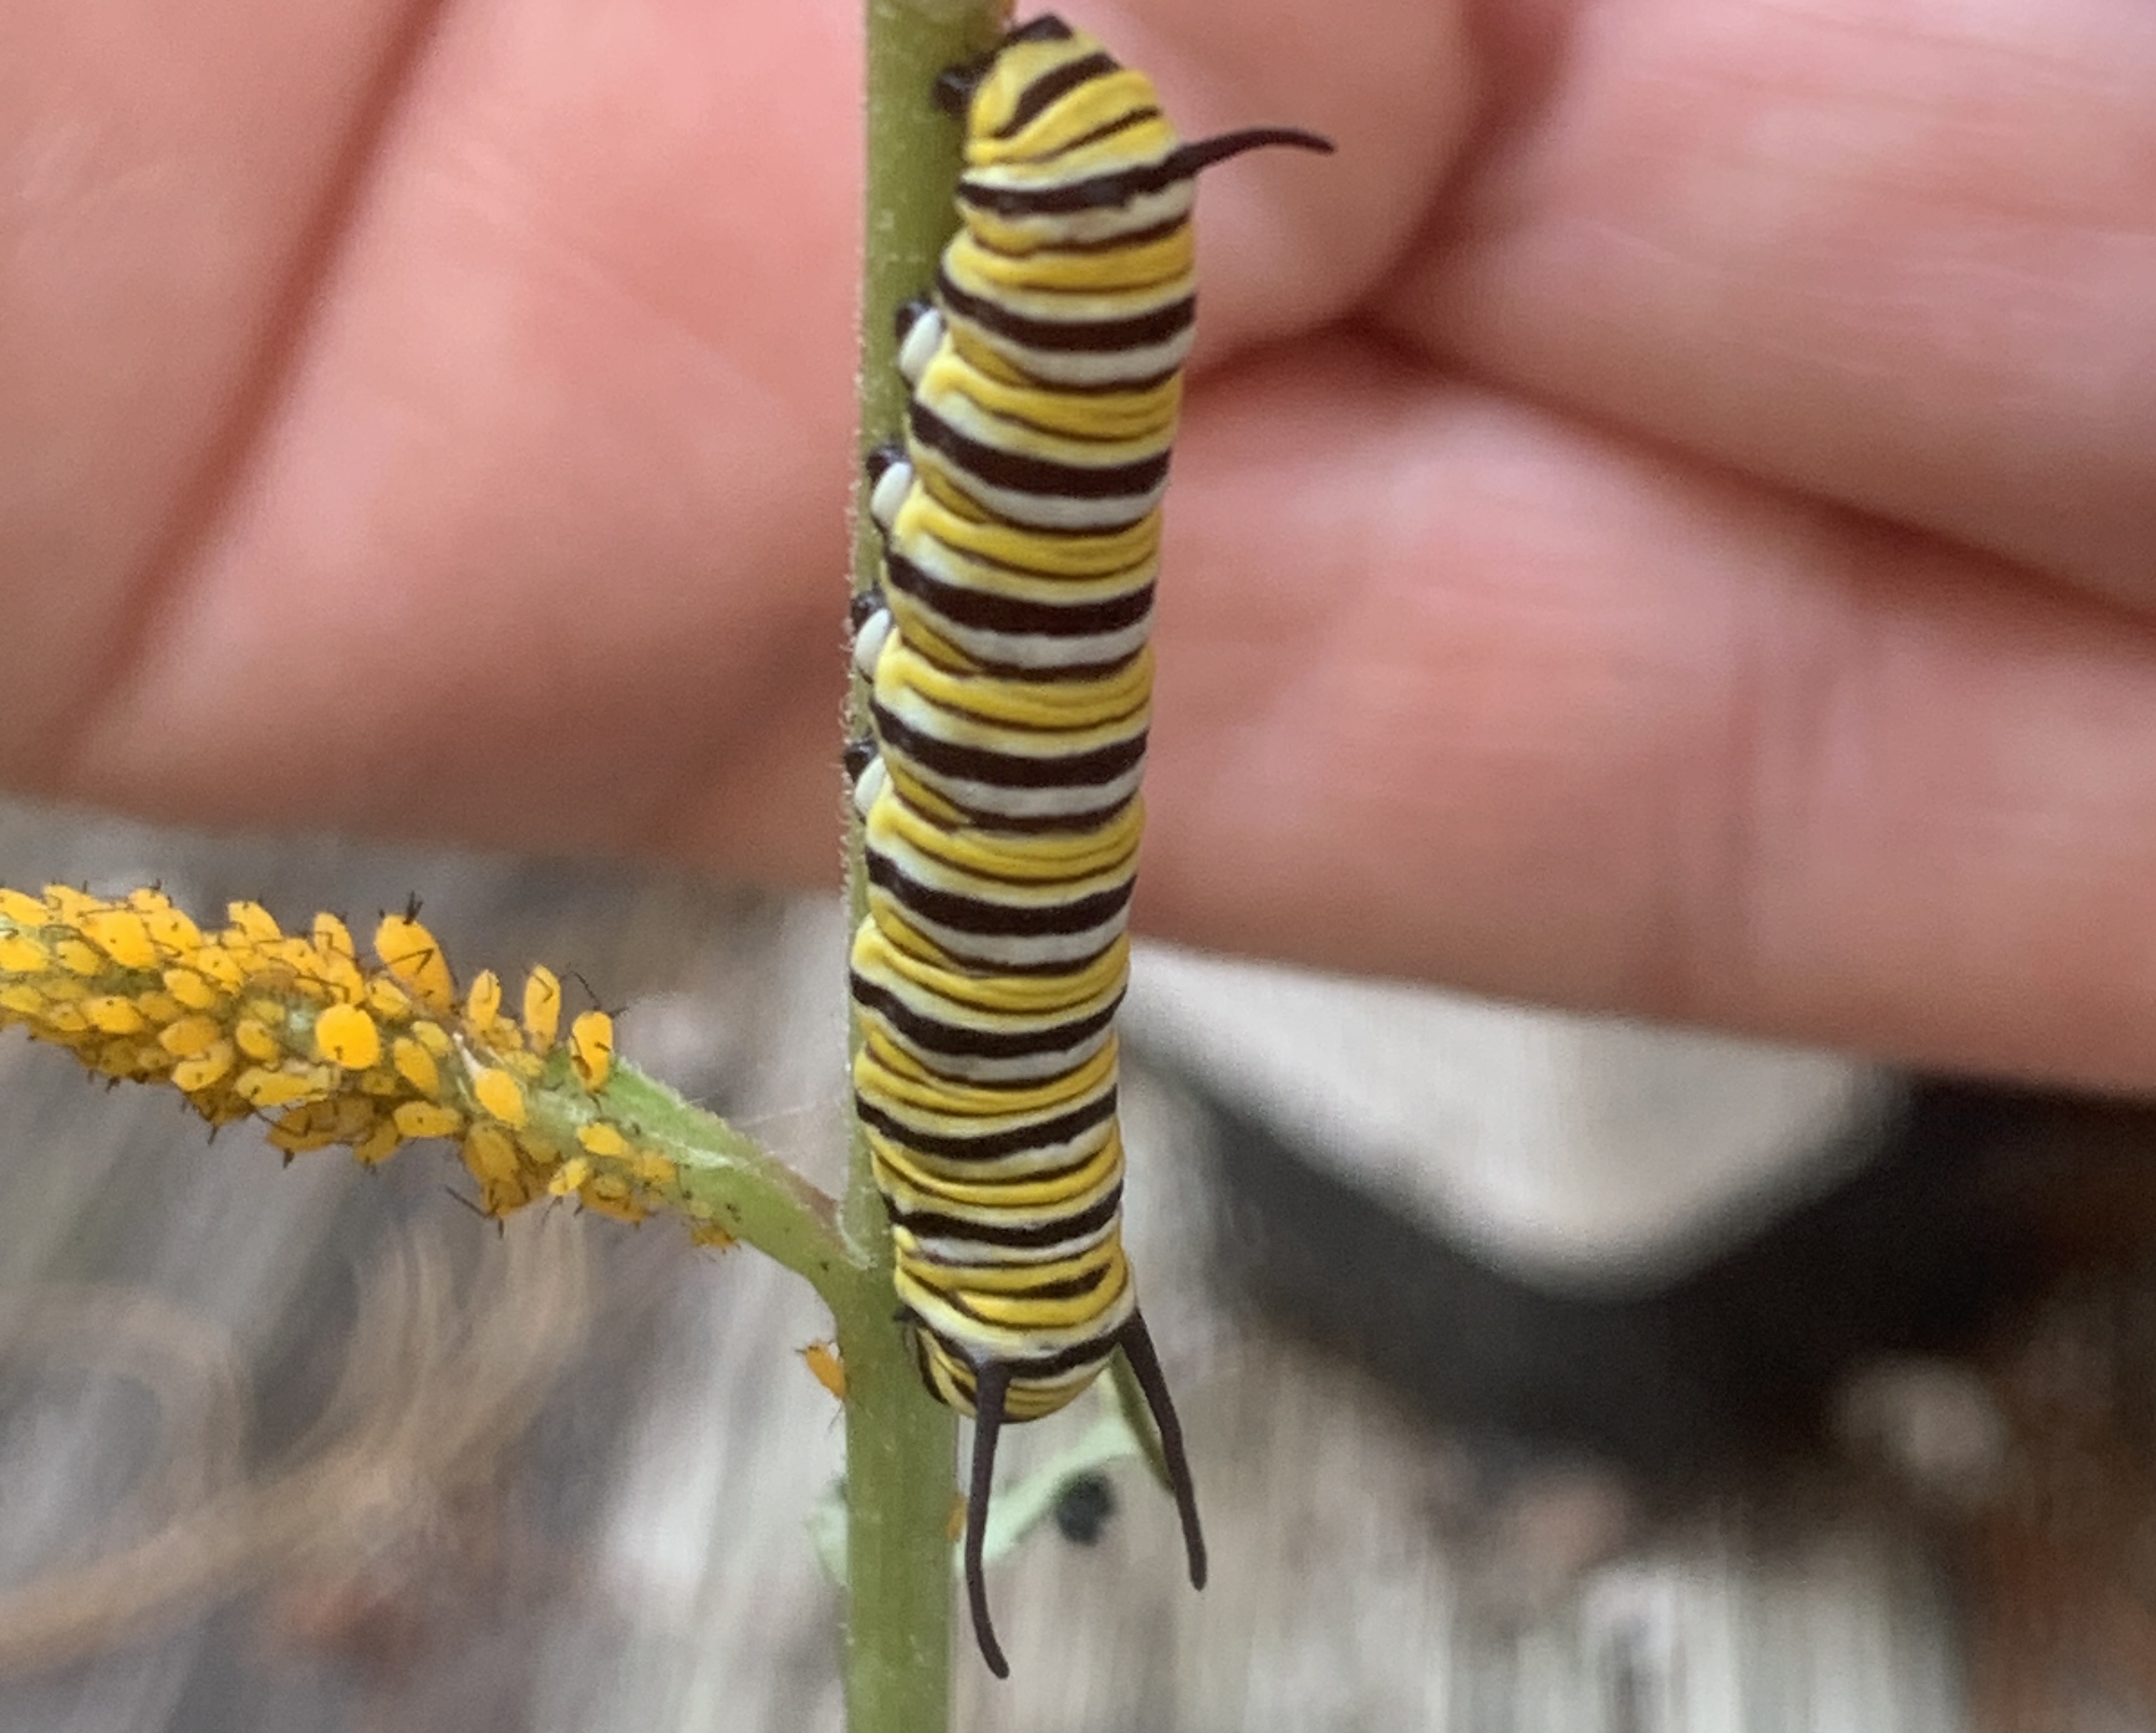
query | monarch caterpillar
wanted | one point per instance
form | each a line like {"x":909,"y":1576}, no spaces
{"x":1010,"y":684}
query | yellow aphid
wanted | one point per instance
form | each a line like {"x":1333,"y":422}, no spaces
{"x":191,"y":989}
{"x":539,"y":1152}
{"x":386,"y":1000}
{"x":190,"y":1035}
{"x":115,"y":1015}
{"x":70,"y":904}
{"x":66,"y":990}
{"x":822,"y":1359}
{"x":66,"y":1020}
{"x":308,"y":1126}
{"x":710,"y":1234}
{"x":22,"y":908}
{"x":653,"y":1168}
{"x":570,"y":1176}
{"x":434,"y":1038}
{"x":483,"y":1003}
{"x":221,"y":968}
{"x":427,"y":1119}
{"x":591,"y":1048}
{"x":159,"y":1008}
{"x":22,"y":998}
{"x":257,"y":1040}
{"x":260,"y":1087}
{"x":200,"y":1070}
{"x":333,"y":938}
{"x":378,"y":1143}
{"x":123,"y":1058}
{"x":602,"y":1139}
{"x":345,"y":1035}
{"x":23,"y":954}
{"x":173,"y":933}
{"x":79,"y":958}
{"x":343,"y":976}
{"x":499,"y":1094}
{"x":414,"y":957}
{"x":416,"y":1066}
{"x":543,"y":1007}
{"x":123,"y":935}
{"x":280,"y":967}
{"x":299,"y":956}
{"x":490,"y":1154}
{"x":254,"y":921}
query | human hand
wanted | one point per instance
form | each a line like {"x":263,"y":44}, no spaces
{"x":1665,"y":518}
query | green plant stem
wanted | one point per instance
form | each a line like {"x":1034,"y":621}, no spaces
{"x":899,"y":1492}
{"x":731,"y":1181}
{"x":901,"y":1446}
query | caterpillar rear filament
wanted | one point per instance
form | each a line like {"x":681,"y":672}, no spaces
{"x":1010,"y":681}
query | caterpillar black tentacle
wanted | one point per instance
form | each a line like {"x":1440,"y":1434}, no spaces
{"x":1005,"y":647}
{"x":991,"y":1392}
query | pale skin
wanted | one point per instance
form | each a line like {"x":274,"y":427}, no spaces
{"x":1666,"y":517}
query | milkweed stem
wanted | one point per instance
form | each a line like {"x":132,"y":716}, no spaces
{"x":901,"y":1446}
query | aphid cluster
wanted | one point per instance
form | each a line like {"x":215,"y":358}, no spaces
{"x":247,"y":1018}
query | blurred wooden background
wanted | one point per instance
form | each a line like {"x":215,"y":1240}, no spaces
{"x":317,"y":1448}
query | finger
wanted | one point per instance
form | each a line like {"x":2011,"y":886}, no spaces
{"x":169,"y":171}
{"x":1286,"y":241}
{"x":1453,"y":689}
{"x":1902,"y":256}
{"x":543,"y":541}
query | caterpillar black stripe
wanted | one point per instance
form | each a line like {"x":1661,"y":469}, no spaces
{"x":1011,"y":683}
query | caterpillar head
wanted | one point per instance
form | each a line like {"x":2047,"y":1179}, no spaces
{"x":955,"y":85}
{"x":1045,"y":67}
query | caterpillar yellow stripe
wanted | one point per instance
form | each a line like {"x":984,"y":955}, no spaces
{"x":1010,"y":687}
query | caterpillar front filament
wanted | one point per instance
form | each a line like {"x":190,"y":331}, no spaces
{"x":1010,"y":689}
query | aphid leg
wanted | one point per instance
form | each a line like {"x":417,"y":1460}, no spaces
{"x":991,"y":1385}
{"x":1136,"y":1343}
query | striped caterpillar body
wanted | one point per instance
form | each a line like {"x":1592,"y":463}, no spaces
{"x":1010,"y":682}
